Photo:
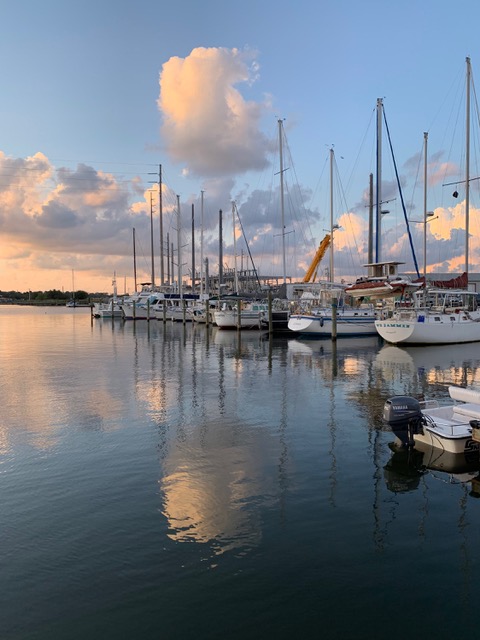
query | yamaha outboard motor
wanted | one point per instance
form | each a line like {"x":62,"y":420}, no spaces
{"x":403,"y":415}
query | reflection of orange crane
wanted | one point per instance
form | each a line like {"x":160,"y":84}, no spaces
{"x":311,"y":274}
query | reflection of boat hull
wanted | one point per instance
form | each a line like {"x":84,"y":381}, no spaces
{"x":406,"y":466}
{"x":311,"y":346}
{"x":443,"y":460}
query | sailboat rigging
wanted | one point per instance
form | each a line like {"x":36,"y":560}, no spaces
{"x":317,"y":318}
{"x":383,"y":280}
{"x":440,"y":316}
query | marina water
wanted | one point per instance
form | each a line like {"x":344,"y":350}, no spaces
{"x":179,"y":482}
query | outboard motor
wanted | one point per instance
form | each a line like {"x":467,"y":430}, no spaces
{"x":403,"y":415}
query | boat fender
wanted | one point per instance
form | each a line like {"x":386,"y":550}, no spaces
{"x":321,"y":321}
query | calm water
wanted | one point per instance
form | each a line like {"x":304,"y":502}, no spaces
{"x":176,"y":482}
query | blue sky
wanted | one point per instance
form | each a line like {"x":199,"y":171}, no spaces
{"x":80,"y":85}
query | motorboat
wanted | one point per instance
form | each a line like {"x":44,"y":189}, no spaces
{"x":108,"y":310}
{"x":176,"y":307}
{"x":452,"y":427}
{"x":239,"y":314}
{"x":139,"y":306}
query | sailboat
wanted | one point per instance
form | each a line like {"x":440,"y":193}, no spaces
{"x":440,"y":315}
{"x":317,"y":319}
{"x":383,"y":280}
{"x":276,"y":317}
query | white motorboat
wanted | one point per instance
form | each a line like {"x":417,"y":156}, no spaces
{"x":108,"y":310}
{"x":139,"y":306}
{"x":227,"y":315}
{"x":438,"y":316}
{"x":453,"y":427}
{"x":176,"y":307}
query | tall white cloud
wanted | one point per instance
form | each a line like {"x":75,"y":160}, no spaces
{"x":207,"y":124}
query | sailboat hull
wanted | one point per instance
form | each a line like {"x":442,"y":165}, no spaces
{"x":347,"y":325}
{"x":451,"y":329}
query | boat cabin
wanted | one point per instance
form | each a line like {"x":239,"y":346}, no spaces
{"x":382,"y":270}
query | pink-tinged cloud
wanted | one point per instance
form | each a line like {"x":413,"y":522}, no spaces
{"x":438,"y":172}
{"x":207,"y":124}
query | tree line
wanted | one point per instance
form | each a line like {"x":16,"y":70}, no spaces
{"x":55,"y":295}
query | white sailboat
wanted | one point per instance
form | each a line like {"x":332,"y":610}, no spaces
{"x":318,"y":318}
{"x":440,"y":316}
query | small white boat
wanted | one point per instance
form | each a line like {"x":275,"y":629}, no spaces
{"x":140,"y":305}
{"x":108,"y":310}
{"x":453,"y":427}
{"x":226,"y":317}
{"x":175,"y":306}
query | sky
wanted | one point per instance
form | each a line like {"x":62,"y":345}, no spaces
{"x":96,"y":97}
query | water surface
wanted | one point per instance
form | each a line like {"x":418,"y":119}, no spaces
{"x":162,"y":481}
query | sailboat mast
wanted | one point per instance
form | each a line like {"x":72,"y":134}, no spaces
{"x":467,"y":169}
{"x":370,"y":219}
{"x":378,"y":194}
{"x":201,"y":245}
{"x":179,"y":252}
{"x":234,"y":227}
{"x":332,"y":277}
{"x":193,"y":248}
{"x":160,"y":214}
{"x":151,"y":238}
{"x":220,"y":251}
{"x":134,"y":262}
{"x":425,"y":215}
{"x":282,"y":203}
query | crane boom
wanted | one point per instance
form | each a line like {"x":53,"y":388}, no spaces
{"x":312,"y":269}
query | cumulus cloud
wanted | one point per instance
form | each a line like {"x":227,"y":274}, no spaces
{"x":207,"y":124}
{"x":81,"y":216}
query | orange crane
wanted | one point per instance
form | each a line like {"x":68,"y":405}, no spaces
{"x":311,"y":274}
